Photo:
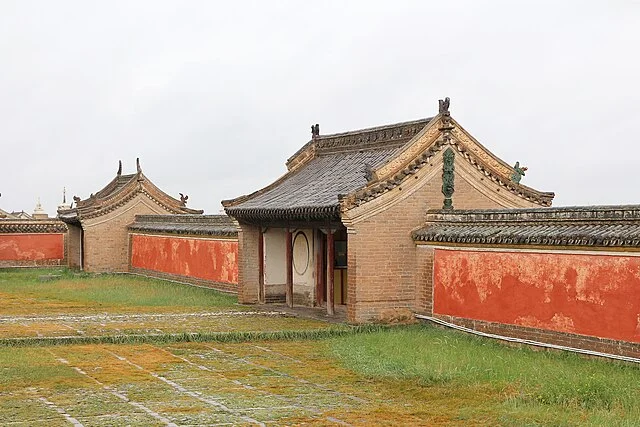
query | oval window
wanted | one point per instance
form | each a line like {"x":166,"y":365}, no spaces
{"x":300,"y":253}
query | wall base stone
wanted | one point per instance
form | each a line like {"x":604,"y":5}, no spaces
{"x":32,"y":263}
{"x":602,"y":345}
{"x":223,"y":287}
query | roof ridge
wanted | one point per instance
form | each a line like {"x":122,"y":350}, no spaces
{"x":548,"y":214}
{"x":375,"y":128}
{"x":360,"y":139}
{"x":584,"y":226}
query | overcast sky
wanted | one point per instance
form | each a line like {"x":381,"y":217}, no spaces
{"x":215,"y":96}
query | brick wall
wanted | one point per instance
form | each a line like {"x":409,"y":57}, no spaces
{"x":74,"y":246}
{"x":381,"y":251}
{"x":384,"y":264}
{"x":584,"y":294}
{"x":106,"y":238}
{"x":248,"y":281}
{"x":202,"y":260}
{"x":424,"y":280}
{"x":32,"y":243}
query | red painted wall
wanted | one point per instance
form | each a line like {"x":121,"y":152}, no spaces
{"x":595,"y":295}
{"x":208,"y":259}
{"x":31,"y":247}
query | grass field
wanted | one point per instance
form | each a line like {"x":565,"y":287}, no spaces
{"x":22,"y":292}
{"x":234,"y":375}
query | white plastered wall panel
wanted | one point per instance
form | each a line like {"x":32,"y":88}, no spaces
{"x":275,"y":272}
{"x":304,"y":263}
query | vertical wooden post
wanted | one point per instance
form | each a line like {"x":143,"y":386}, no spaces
{"x":320,"y":273}
{"x":330,"y":264}
{"x":289,"y":261}
{"x":261,"y":290}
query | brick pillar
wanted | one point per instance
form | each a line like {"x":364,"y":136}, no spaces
{"x":353,"y":246}
{"x":424,"y":279}
{"x":248,"y":281}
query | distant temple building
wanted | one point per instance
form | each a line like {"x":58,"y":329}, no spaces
{"x":5,"y":215}
{"x":98,"y":235}
{"x":38,"y":212}
{"x":64,"y":205}
{"x":21,"y":215}
{"x":336,"y":228}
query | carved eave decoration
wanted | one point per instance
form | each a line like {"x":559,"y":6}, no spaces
{"x":421,"y":149}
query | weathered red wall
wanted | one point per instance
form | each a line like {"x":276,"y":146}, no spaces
{"x":208,"y":259}
{"x":597,"y":295}
{"x":31,"y":247}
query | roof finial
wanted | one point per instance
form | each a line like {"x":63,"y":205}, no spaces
{"x":64,"y":195}
{"x":119,"y":167}
{"x":443,"y":111}
{"x":315,"y":131}
{"x":138,"y":165}
{"x":443,"y":106}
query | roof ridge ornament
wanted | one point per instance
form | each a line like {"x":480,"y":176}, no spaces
{"x":315,"y":131}
{"x":443,"y":106}
{"x":447,"y":127}
{"x":518,"y":172}
{"x":140,"y":177}
{"x":119,"y":167}
{"x":369,"y":173}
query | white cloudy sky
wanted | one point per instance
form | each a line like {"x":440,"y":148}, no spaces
{"x":215,"y":96}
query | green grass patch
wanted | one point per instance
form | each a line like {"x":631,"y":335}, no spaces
{"x":232,"y":336}
{"x":525,"y":378}
{"x":25,"y":292}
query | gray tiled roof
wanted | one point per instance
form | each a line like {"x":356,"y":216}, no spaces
{"x":339,"y":167}
{"x":598,"y":226}
{"x":210,"y":225}
{"x":115,"y":186}
{"x":315,"y":186}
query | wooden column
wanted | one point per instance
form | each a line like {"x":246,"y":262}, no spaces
{"x":289,"y":261}
{"x":261,"y":290}
{"x":320,"y":276}
{"x":330,"y":263}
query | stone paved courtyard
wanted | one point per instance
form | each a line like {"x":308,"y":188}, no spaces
{"x":179,"y":384}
